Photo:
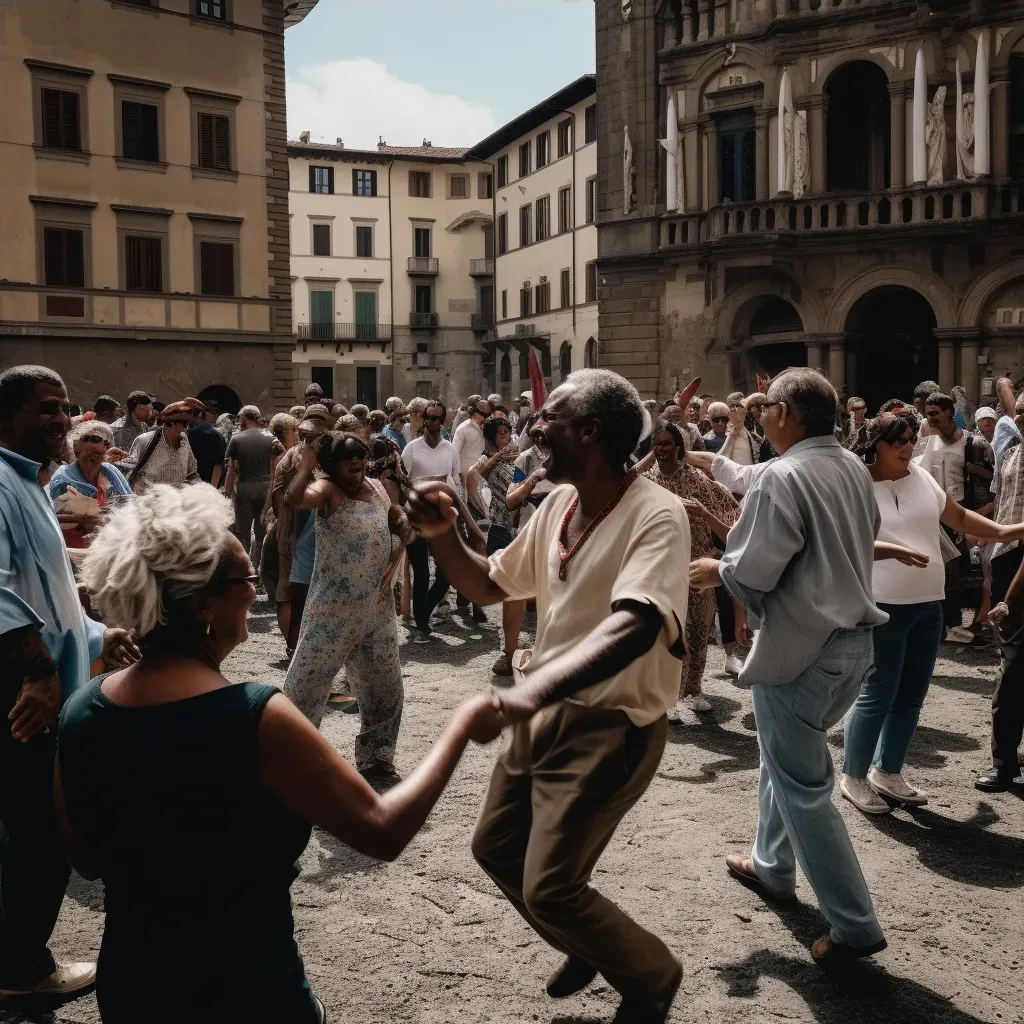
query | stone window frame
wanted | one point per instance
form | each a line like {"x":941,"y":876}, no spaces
{"x":219,"y":104}
{"x":208,"y":227}
{"x":144,"y":222}
{"x":316,"y":220}
{"x":542,"y":217}
{"x":139,"y":90}
{"x":565,"y":206}
{"x":210,"y":18}
{"x":371,"y":223}
{"x":590,"y":271}
{"x":591,"y":197}
{"x":526,"y":220}
{"x":47,"y":75}
{"x":484,"y":185}
{"x":76,"y":215}
{"x":565,"y":296}
{"x":564,"y":132}
{"x":450,"y":178}
{"x":501,"y":171}
{"x":419,"y":175}
{"x":542,"y":148}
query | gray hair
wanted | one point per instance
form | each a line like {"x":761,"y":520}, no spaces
{"x":495,"y":399}
{"x":250,"y":412}
{"x":810,"y":397}
{"x":418,"y":405}
{"x":161,"y":547}
{"x":361,"y":412}
{"x":392,"y":404}
{"x":718,"y":409}
{"x":281,"y":422}
{"x":80,"y":430}
{"x":610,"y":399}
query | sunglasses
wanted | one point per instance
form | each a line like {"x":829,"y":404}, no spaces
{"x":96,"y":439}
{"x":52,"y":406}
{"x":432,"y":419}
{"x":903,"y":441}
{"x":719,"y":419}
{"x":177,"y":423}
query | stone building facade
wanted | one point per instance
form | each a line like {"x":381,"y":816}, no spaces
{"x":852,"y":262}
{"x":145,"y":197}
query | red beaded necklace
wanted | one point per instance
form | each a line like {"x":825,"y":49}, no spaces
{"x":566,"y":556}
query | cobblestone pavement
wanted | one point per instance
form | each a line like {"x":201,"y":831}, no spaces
{"x":427,"y":938}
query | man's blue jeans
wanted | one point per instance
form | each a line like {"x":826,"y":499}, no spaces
{"x":796,"y":819}
{"x":884,"y":719}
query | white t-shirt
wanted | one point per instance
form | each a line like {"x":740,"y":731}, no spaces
{"x":420,"y":460}
{"x":910,"y":510}
{"x":641,"y":552}
{"x":945,"y":463}
{"x":470,"y":444}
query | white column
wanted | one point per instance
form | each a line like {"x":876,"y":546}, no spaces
{"x":785,"y":178}
{"x":982,"y":117}
{"x":670,"y":144}
{"x":920,"y":117}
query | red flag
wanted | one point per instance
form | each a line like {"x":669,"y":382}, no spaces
{"x":537,"y":388}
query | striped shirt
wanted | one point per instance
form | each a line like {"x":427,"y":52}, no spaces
{"x":167,"y":465}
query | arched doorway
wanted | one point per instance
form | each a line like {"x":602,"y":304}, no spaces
{"x":590,"y":354}
{"x":775,"y":340}
{"x":505,"y":373}
{"x":226,"y":399}
{"x":895,"y":347}
{"x":857,"y":130}
{"x":564,"y":360}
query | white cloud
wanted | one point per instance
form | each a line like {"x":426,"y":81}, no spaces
{"x":360,"y":100}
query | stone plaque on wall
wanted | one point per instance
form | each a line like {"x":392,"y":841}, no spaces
{"x":461,"y":305}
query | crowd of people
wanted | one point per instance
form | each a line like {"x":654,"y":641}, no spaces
{"x":828,"y":551}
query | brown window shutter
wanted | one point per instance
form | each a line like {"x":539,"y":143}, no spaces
{"x":222,"y":142}
{"x":217,"y":268}
{"x":143,"y":270}
{"x":206,"y":142}
{"x":70,"y":121}
{"x":51,"y":119}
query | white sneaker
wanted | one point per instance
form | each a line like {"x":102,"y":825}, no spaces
{"x":66,"y":980}
{"x":733,"y":665}
{"x":675,"y":713}
{"x":697,"y":702}
{"x":862,"y":796}
{"x":895,"y":788}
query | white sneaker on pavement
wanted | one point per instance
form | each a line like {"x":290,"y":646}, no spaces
{"x":862,"y":796}
{"x":65,"y":981}
{"x":895,"y":788}
{"x":697,"y":702}
{"x":675,"y":713}
{"x":733,"y":665}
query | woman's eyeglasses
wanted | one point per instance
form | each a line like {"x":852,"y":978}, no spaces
{"x":719,"y":419}
{"x":96,"y":439}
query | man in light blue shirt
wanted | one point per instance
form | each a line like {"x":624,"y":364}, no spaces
{"x":800,"y":559}
{"x":46,"y":646}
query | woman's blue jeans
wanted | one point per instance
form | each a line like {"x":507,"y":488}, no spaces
{"x":882,"y":722}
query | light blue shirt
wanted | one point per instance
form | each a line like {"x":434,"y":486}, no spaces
{"x":800,"y":557}
{"x":37,"y":586}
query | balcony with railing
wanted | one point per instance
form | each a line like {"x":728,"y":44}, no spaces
{"x":368,"y":333}
{"x":950,"y":206}
{"x":423,"y":266}
{"x":481,"y":321}
{"x":423,"y":321}
{"x":481,"y":268}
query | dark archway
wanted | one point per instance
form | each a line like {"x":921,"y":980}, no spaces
{"x":505,"y":373}
{"x":857,"y":129}
{"x":564,"y":360}
{"x":769,"y":360}
{"x":226,"y":399}
{"x":590,"y":354}
{"x":894,"y":345}
{"x":775,"y":340}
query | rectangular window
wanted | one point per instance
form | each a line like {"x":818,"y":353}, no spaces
{"x":485,"y":185}
{"x":737,"y":163}
{"x":458,"y":186}
{"x":525,"y":225}
{"x":364,"y":183}
{"x":543,"y":149}
{"x":525,"y":301}
{"x":488,"y":230}
{"x":423,"y":298}
{"x":216,"y":268}
{"x":590,"y":124}
{"x":61,"y":120}
{"x":591,"y":200}
{"x":591,"y":282}
{"x":502,"y":170}
{"x":143,"y":264}
{"x":140,"y":131}
{"x":504,"y":303}
{"x":419,"y":184}
{"x":564,"y":209}
{"x":421,"y":242}
{"x":321,"y":310}
{"x":214,"y":141}
{"x":364,"y":241}
{"x":524,"y":159}
{"x":64,"y":257}
{"x":366,"y":314}
{"x":565,"y":288}
{"x":543,"y":218}
{"x":502,"y":234}
{"x":543,"y":298}
{"x":321,"y":239}
{"x":212,"y":9}
{"x":565,"y":137}
{"x":321,"y":180}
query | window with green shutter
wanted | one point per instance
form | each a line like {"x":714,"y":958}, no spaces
{"x":321,"y":315}
{"x":366,"y":315}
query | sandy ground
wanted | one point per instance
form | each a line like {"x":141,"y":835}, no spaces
{"x":427,"y":938}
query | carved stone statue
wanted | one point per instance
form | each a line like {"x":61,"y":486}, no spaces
{"x":786,"y":151}
{"x":935,"y":137}
{"x":628,"y":173}
{"x":801,"y":156}
{"x":964,"y":130}
{"x":627,"y":9}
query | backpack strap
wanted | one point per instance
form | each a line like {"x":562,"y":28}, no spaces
{"x":145,"y":457}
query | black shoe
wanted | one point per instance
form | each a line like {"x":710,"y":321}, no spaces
{"x":381,"y":776}
{"x":572,"y":977}
{"x":479,"y":615}
{"x":647,"y":1011}
{"x":996,"y":781}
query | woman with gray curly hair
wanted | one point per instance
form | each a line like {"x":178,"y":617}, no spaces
{"x":92,"y":477}
{"x":193,"y":798}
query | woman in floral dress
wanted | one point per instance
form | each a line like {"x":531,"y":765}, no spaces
{"x":712,"y":511}
{"x":349,"y":620}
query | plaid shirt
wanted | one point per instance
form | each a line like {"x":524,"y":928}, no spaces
{"x":167,"y":465}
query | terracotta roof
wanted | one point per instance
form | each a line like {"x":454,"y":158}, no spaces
{"x":445,"y":152}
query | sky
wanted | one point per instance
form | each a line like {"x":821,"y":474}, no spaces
{"x":449,"y":71}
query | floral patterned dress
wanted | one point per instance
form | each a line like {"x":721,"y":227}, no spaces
{"x":349,"y":623}
{"x":687,"y":482}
